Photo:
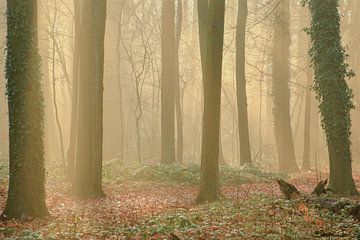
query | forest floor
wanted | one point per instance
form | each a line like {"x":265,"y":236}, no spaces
{"x":140,"y":208}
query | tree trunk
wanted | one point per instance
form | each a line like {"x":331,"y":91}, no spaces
{"x":178,"y":105}
{"x":305,"y":64}
{"x":222,"y":161}
{"x":281,"y":91}
{"x":168,"y":82}
{"x":209,"y":178}
{"x":118,"y":53}
{"x":354,"y":61}
{"x":203,"y":15}
{"x":3,"y":104}
{"x":56,"y":110}
{"x":88,"y":165}
{"x":307,"y":121}
{"x":75,"y":92}
{"x":26,"y":194}
{"x":328,"y":57}
{"x":50,"y":141}
{"x":245,"y":152}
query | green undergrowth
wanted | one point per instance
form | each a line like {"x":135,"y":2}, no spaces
{"x":189,"y":174}
{"x":259,"y":217}
{"x":184,"y":174}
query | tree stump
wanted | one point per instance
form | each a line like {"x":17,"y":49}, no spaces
{"x":288,"y":189}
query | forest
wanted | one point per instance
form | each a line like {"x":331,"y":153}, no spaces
{"x":179,"y":119}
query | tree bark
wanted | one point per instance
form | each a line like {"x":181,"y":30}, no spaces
{"x":88,"y":165}
{"x":178,"y":105}
{"x":74,"y":92}
{"x":168,"y":82}
{"x":209,"y":178}
{"x":50,"y":141}
{"x":307,"y":122}
{"x":333,"y":92}
{"x":118,"y":53}
{"x":245,"y":152}
{"x":26,"y":194}
{"x":305,"y":65}
{"x":3,"y":101}
{"x":281,"y":91}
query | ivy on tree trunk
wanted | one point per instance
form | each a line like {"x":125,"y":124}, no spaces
{"x":26,"y":194}
{"x":334,"y":96}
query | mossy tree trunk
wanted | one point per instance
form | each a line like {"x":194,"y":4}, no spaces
{"x":281,"y":91}
{"x":333,"y":93}
{"x":3,"y":104}
{"x":245,"y":153}
{"x":212,"y":64}
{"x":26,"y":194}
{"x":168,"y":53}
{"x":87,"y":181}
{"x":353,"y":30}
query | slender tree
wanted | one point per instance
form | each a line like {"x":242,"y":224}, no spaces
{"x":203,"y":15}
{"x":307,"y":121}
{"x":334,"y":95}
{"x":52,"y":33}
{"x":281,"y":91}
{"x":212,"y":63}
{"x":178,"y":106}
{"x":3,"y":105}
{"x":119,"y":85}
{"x":354,"y":61}
{"x":168,"y":82}
{"x":245,"y":153}
{"x":50,"y":142}
{"x":87,"y":181}
{"x":74,"y":92}
{"x":203,"y":18}
{"x":26,"y":194}
{"x":304,"y":64}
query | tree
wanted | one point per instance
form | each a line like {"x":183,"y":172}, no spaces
{"x":307,"y":121}
{"x":304,"y":63}
{"x":351,"y":29}
{"x":280,"y":90}
{"x":334,"y":96}
{"x":168,"y":82}
{"x":74,"y":92}
{"x":3,"y":105}
{"x":119,"y":82}
{"x":26,"y":194}
{"x":178,"y":106}
{"x":212,"y":72}
{"x":203,"y":18}
{"x":245,"y":153}
{"x":50,"y":142}
{"x":87,"y":181}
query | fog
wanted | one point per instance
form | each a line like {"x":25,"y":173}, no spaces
{"x":144,"y":95}
{"x":133,"y":57}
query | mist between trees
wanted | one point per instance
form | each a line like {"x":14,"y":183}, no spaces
{"x":237,"y":83}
